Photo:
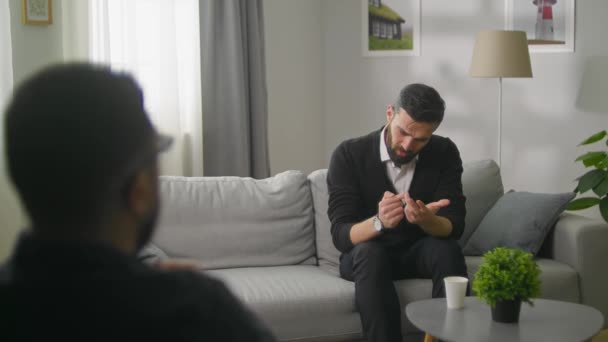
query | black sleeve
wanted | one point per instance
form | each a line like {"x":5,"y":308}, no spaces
{"x":8,"y":313}
{"x":450,"y":187}
{"x":344,"y":198}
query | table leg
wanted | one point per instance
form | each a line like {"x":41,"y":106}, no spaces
{"x":429,"y":338}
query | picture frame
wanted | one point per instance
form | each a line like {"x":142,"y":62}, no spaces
{"x":390,"y":28}
{"x":549,"y":24}
{"x":37,"y":12}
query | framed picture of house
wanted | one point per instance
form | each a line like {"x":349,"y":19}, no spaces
{"x":391,"y":27}
{"x":36,"y":12}
{"x":549,"y":24}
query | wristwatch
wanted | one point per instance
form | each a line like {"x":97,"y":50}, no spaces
{"x":377,"y":224}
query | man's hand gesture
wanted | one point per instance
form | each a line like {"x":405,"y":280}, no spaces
{"x":390,"y":210}
{"x":419,"y":213}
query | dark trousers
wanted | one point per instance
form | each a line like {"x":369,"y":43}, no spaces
{"x":373,"y":267}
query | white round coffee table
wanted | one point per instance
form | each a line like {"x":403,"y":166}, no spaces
{"x":547,"y":320}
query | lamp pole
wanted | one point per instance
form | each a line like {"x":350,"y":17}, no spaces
{"x":499,"y":54}
{"x":499,"y":119}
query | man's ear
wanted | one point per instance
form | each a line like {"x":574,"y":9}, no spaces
{"x":140,"y":193}
{"x":390,"y":112}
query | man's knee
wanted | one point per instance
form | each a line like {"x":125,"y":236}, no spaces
{"x":370,"y":260}
{"x":365,"y":259}
{"x":444,"y":248}
{"x":448,"y":256}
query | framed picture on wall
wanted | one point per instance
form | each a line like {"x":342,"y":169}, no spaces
{"x":36,"y":12}
{"x":390,"y":27}
{"x":549,"y":24}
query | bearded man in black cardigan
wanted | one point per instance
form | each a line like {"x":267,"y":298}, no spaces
{"x":396,"y":208}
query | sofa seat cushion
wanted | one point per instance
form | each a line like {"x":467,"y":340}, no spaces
{"x":558,"y":281}
{"x":297,"y":302}
{"x":307,"y":302}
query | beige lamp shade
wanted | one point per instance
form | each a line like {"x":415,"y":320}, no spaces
{"x":501,"y":54}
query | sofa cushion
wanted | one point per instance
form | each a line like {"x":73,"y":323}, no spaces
{"x":518,"y":220}
{"x":297,"y":302}
{"x":482,"y":187}
{"x":237,"y":222}
{"x":309,"y":303}
{"x":329,"y":256}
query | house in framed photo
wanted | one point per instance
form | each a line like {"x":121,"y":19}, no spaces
{"x":390,"y":27}
{"x":384,"y":23}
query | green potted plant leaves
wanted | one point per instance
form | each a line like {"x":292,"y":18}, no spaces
{"x":505,"y":278}
{"x":595,"y":179}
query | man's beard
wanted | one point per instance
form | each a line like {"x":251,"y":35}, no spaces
{"x":392,"y":153}
{"x":147,"y":227}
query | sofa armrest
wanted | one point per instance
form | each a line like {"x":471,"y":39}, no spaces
{"x":582,"y":243}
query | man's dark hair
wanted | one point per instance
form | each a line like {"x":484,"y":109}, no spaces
{"x":75,"y":133}
{"x":422,"y":103}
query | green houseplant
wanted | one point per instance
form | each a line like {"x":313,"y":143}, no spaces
{"x":595,"y":179}
{"x":505,"y":278}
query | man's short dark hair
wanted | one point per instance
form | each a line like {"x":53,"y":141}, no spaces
{"x":422,"y":103}
{"x":73,"y":133}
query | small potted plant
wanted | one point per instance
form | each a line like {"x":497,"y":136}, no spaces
{"x":505,"y":278}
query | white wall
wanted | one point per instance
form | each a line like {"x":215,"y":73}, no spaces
{"x":33,"y":47}
{"x":294,"y":64}
{"x":361,"y":87}
{"x":541,"y":124}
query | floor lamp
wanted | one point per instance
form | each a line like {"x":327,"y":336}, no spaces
{"x":501,"y":54}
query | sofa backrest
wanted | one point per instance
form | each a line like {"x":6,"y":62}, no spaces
{"x":328,"y":255}
{"x":482,"y":187}
{"x":237,"y":222}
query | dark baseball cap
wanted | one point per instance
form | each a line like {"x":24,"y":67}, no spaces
{"x":77,"y":128}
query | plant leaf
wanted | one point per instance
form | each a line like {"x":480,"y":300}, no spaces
{"x":591,"y":179}
{"x":604,"y":208}
{"x":602,"y":164}
{"x":596,"y":137}
{"x":588,"y":155}
{"x":583,"y":203}
{"x":592,"y":158}
{"x":602,"y":188}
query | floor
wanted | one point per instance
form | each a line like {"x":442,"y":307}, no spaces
{"x":601,"y":337}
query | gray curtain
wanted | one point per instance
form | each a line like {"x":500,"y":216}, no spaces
{"x":235,"y":116}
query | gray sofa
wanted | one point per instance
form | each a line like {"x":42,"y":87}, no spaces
{"x":269,"y":241}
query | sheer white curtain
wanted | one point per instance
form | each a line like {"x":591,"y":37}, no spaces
{"x":10,"y":212}
{"x":158,"y":42}
{"x":6,"y":59}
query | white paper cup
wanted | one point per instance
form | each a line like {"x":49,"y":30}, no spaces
{"x":455,"y":289}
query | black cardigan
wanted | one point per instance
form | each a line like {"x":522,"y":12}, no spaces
{"x":357,"y":180}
